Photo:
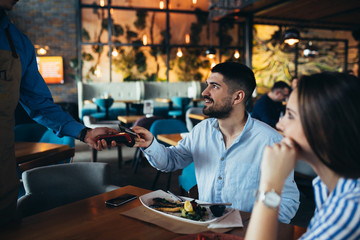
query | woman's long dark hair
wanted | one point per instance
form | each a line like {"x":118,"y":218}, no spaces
{"x":329,"y":106}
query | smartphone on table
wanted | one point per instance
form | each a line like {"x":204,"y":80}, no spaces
{"x":120,"y":200}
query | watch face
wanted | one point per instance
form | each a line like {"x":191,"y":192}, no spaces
{"x":272,"y":199}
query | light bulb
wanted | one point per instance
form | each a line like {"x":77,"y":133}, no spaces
{"x":211,"y":56}
{"x":41,"y":51}
{"x":194,"y":1}
{"x":162,"y":4}
{"x":97,"y":71}
{"x":102,"y":3}
{"x":213,"y":65}
{"x":291,"y":41}
{"x":114,"y":53}
{"x":179,"y":53}
{"x":236,"y":54}
{"x":145,"y":40}
{"x":187,"y":38}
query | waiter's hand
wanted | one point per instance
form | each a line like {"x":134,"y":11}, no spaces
{"x":92,"y":134}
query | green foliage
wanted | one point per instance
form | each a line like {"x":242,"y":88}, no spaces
{"x":140,"y":61}
{"x":117,"y":30}
{"x":85,"y":35}
{"x":140,"y":21}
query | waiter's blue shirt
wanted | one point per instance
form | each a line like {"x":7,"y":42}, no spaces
{"x":226,"y":175}
{"x":35,"y":96}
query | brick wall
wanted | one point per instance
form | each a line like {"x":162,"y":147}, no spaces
{"x":51,"y":23}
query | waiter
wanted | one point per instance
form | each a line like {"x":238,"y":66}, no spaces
{"x":20,"y":81}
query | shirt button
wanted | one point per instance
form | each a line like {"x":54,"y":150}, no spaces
{"x":222,"y":159}
{"x":149,"y":151}
{"x":220,"y":178}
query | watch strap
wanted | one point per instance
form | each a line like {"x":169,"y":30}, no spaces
{"x":83,"y":134}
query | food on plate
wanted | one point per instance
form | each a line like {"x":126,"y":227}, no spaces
{"x":193,"y":211}
{"x":190,"y":210}
{"x":166,"y":205}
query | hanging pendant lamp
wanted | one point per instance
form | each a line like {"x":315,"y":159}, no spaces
{"x":291,"y":36}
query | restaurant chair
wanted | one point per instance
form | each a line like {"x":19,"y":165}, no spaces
{"x":182,"y":103}
{"x":56,"y":185}
{"x":190,"y":123}
{"x":103,"y":105}
{"x":34,"y":132}
{"x":91,"y":122}
{"x":187,"y":179}
{"x":166,"y":126}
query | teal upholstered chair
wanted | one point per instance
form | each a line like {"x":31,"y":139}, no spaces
{"x":182,"y":103}
{"x":166,"y":126}
{"x":56,"y":185}
{"x":103,"y":106}
{"x":187,"y":179}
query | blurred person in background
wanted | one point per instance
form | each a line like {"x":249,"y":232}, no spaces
{"x":269,"y":107}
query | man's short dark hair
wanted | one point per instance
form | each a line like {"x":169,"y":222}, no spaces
{"x":237,"y":76}
{"x":280,"y":85}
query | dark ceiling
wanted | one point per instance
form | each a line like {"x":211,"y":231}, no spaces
{"x":326,"y":14}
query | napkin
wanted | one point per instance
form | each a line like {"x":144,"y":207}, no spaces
{"x":230,"y":221}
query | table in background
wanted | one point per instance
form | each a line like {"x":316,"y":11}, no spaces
{"x":138,"y":104}
{"x":197,"y":116}
{"x":171,"y":139}
{"x":91,"y":219}
{"x":129,"y":119}
{"x":168,"y":101}
{"x":35,"y":154}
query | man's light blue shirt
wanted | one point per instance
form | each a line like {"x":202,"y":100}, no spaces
{"x":226,"y":175}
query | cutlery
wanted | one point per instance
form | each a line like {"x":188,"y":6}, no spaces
{"x":201,"y":204}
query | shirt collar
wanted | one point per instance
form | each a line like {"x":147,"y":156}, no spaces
{"x":343,"y":185}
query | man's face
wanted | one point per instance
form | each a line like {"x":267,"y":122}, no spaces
{"x":218,"y":101}
{"x":7,"y":4}
{"x":281,"y":94}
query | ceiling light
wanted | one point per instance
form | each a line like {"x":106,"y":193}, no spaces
{"x":236,"y":54}
{"x":187,"y":38}
{"x":162,"y":4}
{"x":145,"y":39}
{"x":210,"y":52}
{"x":291,"y":36}
{"x":179,"y":53}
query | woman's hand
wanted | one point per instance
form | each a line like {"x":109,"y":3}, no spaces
{"x":145,"y":137}
{"x":277,"y":163}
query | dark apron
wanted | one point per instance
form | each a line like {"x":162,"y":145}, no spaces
{"x":10,"y":77}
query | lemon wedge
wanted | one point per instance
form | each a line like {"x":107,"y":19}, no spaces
{"x":188,"y":207}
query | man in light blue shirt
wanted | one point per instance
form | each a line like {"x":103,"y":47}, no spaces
{"x":227,"y":148}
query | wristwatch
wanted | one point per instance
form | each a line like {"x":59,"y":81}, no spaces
{"x":271,"y":199}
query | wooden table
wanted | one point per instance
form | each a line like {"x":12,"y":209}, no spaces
{"x":197,"y":116}
{"x":128,"y":103}
{"x":171,"y":139}
{"x":129,"y":119}
{"x":91,"y":219}
{"x":33,"y":154}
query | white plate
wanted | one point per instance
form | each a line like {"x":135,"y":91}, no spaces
{"x":147,"y":200}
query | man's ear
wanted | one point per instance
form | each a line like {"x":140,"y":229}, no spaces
{"x":239,"y":97}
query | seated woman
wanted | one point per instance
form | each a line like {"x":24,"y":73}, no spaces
{"x":321,"y":127}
